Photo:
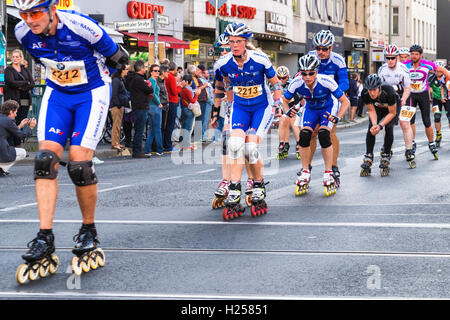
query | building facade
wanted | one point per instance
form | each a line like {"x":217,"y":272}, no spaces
{"x":401,"y":23}
{"x":443,"y":25}
{"x":424,"y":21}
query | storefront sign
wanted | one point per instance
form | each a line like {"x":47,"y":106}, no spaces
{"x":377,"y":43}
{"x":234,"y":10}
{"x":326,"y":10}
{"x":194,"y":48}
{"x":359,"y":44}
{"x":137,"y":25}
{"x":276,"y":23}
{"x":140,"y":10}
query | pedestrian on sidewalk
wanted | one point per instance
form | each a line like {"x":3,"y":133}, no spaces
{"x":155,"y":113}
{"x":119,"y":100}
{"x":9,"y":155}
{"x":188,"y":97}
{"x":353,"y":95}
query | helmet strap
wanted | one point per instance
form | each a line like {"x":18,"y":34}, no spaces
{"x":241,"y":56}
{"x":49,"y":27}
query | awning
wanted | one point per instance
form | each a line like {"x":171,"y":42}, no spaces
{"x":145,"y":38}
{"x":115,"y":35}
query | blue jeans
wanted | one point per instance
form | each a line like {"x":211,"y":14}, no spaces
{"x":170,"y":125}
{"x":154,"y":133}
{"x":140,"y":120}
{"x":206,"y":114}
{"x":218,"y":131}
{"x":187,"y":119}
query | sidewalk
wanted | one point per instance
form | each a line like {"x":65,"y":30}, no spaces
{"x":349,"y":124}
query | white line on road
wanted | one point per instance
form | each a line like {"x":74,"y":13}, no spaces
{"x":170,"y":178}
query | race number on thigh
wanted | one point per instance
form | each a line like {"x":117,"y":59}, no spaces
{"x":407,"y":113}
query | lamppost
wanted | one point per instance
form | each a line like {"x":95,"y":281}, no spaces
{"x":390,"y":21}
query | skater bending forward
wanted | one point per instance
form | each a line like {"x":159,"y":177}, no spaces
{"x":78,"y":55}
{"x":320,"y":110}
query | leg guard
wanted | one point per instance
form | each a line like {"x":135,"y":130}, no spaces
{"x":236,"y":147}
{"x":82,"y":173}
{"x":44,"y":165}
{"x":251,"y":153}
{"x":324,"y":138}
{"x":225,"y":138}
{"x":305,"y":138}
{"x":437,"y":117}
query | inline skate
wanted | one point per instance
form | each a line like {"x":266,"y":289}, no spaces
{"x":414,"y":146}
{"x":410,"y":158}
{"x":329,"y":184}
{"x":384,"y":164}
{"x":87,"y":254}
{"x":367,"y":165}
{"x":283,"y":151}
{"x":433,"y":149}
{"x":337,"y":176}
{"x":303,"y":180}
{"x":39,"y":259}
{"x":233,"y":208}
{"x":297,"y":151}
{"x":248,"y":192}
{"x":221,"y":194}
{"x":259,"y":205}
{"x":438,"y":139}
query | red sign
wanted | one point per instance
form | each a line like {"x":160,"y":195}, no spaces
{"x":242,"y":12}
{"x":139,"y":10}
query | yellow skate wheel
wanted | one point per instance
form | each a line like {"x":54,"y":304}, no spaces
{"x":44,"y":268}
{"x":248,"y":200}
{"x":34,"y":272}
{"x":93,"y":261}
{"x":76,"y":267}
{"x":101,"y":258}
{"x":298,"y":191}
{"x":22,"y":274}
{"x":214,"y":204}
{"x":85,"y":264}
{"x":52,"y":269}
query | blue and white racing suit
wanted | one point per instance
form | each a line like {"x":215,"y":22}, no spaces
{"x":319,"y":102}
{"x":76,"y":102}
{"x":252,"y":102}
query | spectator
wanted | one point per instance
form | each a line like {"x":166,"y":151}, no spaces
{"x":173,"y":90}
{"x":201,"y":83}
{"x":180,"y":71}
{"x":188,"y":96}
{"x":155,"y":115}
{"x":140,"y":92}
{"x":19,"y":83}
{"x":8,"y":154}
{"x":209,"y":104}
{"x":119,"y":100}
{"x":128,"y":117}
{"x":163,"y":96}
{"x":353,"y":95}
{"x":360,"y":108}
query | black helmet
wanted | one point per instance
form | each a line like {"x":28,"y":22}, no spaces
{"x":416,"y":48}
{"x":372,"y":82}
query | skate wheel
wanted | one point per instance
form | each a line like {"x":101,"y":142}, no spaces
{"x":76,"y":267}
{"x":22,"y":274}
{"x":299,"y":157}
{"x":54,"y":267}
{"x":34,"y":272}
{"x":436,"y":156}
{"x":44,"y":268}
{"x":101,"y":258}
{"x":225,"y":214}
{"x":253,"y":211}
{"x":412,"y":164}
{"x":85,"y":264}
{"x":93,"y":263}
{"x":248,"y":200}
{"x":214,"y":204}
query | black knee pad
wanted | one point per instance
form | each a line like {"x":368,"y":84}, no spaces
{"x":437,"y":117}
{"x":305,"y":138}
{"x":44,"y":165}
{"x":82,"y":173}
{"x":224,"y":143}
{"x":324,"y":138}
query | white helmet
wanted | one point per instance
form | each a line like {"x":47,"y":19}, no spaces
{"x":323,"y":38}
{"x":391,"y":50}
{"x":238,"y":30}
{"x":223,"y":40}
{"x":24,"y":5}
{"x":308,"y":63}
{"x":440,"y":64}
{"x":282,"y":72}
{"x":404,"y":50}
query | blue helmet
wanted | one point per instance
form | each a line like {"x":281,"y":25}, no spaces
{"x":238,"y":30}
{"x":24,"y":5}
{"x":221,"y":41}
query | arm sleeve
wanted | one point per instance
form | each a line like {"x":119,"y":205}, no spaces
{"x":343,"y":79}
{"x":156,"y":99}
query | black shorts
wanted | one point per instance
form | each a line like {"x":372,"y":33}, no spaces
{"x":421,"y":100}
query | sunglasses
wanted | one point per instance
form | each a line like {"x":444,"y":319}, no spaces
{"x":310,"y":74}
{"x":391,"y":58}
{"x":155,"y":71}
{"x":225,"y":49}
{"x":282,"y":78}
{"x":33,"y":15}
{"x":322,"y":49}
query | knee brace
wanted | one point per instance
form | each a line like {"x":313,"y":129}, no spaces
{"x":225,"y":138}
{"x":251,"y":153}
{"x":324,"y":138}
{"x":44,"y":165}
{"x":236,"y":147}
{"x":437,"y":117}
{"x":305,"y":138}
{"x":82,"y":173}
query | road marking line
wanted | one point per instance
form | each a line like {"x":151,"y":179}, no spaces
{"x":170,"y":178}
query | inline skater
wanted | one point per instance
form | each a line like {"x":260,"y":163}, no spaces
{"x":404,"y":54}
{"x":72,"y":47}
{"x":332,"y":65}
{"x":419,"y":70}
{"x":381,"y":101}
{"x":397,"y":75}
{"x":285,"y":122}
{"x":320,"y":110}
{"x":439,"y":95}
{"x":245,"y":73}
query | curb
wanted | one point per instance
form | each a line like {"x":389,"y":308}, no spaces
{"x":353,"y":124}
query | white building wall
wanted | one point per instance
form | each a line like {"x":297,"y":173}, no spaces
{"x":404,"y":36}
{"x":424,"y":21}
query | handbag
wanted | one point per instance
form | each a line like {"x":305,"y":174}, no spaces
{"x":195,"y":108}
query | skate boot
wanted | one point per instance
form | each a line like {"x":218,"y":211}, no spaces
{"x":248,"y":192}
{"x":87,"y":255}
{"x":286,"y":150}
{"x":281,"y":151}
{"x":259,"y":205}
{"x":414,"y":147}
{"x":384,"y":164}
{"x":39,"y":259}
{"x":438,"y":139}
{"x":221,"y":194}
{"x":433,"y":150}
{"x":329,"y":184}
{"x":337,"y":176}
{"x":233,"y":208}
{"x":297,"y":151}
{"x":303,"y":180}
{"x":411,"y":158}
{"x":366,"y":166}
